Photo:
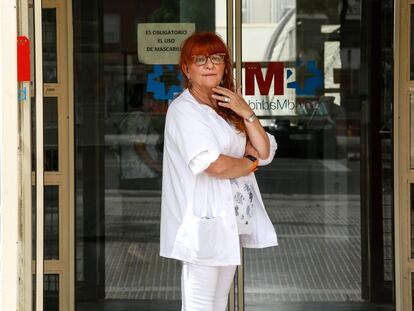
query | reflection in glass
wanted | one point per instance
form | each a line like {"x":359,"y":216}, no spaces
{"x":120,"y":112}
{"x":49,"y":45}
{"x":319,"y":255}
{"x":51,"y":133}
{"x":51,"y":222}
{"x":51,"y":292}
{"x":304,"y":82}
{"x":309,"y":98}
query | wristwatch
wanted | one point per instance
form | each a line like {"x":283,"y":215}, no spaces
{"x":251,"y":118}
{"x":254,"y":160}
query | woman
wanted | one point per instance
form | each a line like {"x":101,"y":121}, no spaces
{"x":213,"y":143}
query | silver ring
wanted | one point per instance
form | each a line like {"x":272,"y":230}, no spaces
{"x":227,"y":99}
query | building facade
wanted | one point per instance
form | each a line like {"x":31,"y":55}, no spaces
{"x":84,"y":89}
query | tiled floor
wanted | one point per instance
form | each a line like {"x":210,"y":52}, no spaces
{"x":318,"y":257}
{"x":138,"y":305}
{"x":315,"y":267}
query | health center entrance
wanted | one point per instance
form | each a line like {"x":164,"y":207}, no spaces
{"x":319,"y":75}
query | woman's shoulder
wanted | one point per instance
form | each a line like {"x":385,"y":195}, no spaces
{"x":183,"y":104}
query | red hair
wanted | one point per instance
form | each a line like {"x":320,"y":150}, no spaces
{"x":207,"y":43}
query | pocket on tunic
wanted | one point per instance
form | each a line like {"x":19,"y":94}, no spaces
{"x":199,"y":236}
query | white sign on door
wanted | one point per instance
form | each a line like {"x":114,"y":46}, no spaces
{"x":159,"y":43}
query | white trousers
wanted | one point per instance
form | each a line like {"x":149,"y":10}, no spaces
{"x":205,"y":288}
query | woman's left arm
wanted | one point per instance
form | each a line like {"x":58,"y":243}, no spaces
{"x":255,"y":132}
{"x":258,"y":137}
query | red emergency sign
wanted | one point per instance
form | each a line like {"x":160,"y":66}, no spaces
{"x":23,"y":59}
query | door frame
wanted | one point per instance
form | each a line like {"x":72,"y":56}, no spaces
{"x":30,"y":20}
{"x":403,"y":174}
{"x":61,"y":177}
{"x":233,"y":35}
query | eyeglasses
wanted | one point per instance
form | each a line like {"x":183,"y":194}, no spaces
{"x":216,"y":59}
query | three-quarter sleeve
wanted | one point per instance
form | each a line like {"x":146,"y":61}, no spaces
{"x":203,"y":160}
{"x":196,"y":141}
{"x":273,"y":147}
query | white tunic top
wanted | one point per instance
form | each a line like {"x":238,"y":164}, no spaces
{"x":198,"y":222}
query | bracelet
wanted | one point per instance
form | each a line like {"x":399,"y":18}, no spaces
{"x":254,"y":167}
{"x":255,"y":162}
{"x":251,"y":118}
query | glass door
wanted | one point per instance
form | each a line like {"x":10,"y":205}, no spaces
{"x":125,"y":74}
{"x":310,"y":71}
{"x":313,"y":80}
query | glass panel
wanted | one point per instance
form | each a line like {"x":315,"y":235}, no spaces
{"x":51,"y":133}
{"x":51,"y":222}
{"x":386,"y":169}
{"x":120,"y":106}
{"x":49,"y":46}
{"x":51,"y":292}
{"x":412,"y":218}
{"x":412,"y":44}
{"x":51,"y":201}
{"x":305,"y":82}
{"x":387,"y":206}
{"x":412,"y":291}
{"x":411,"y":128}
